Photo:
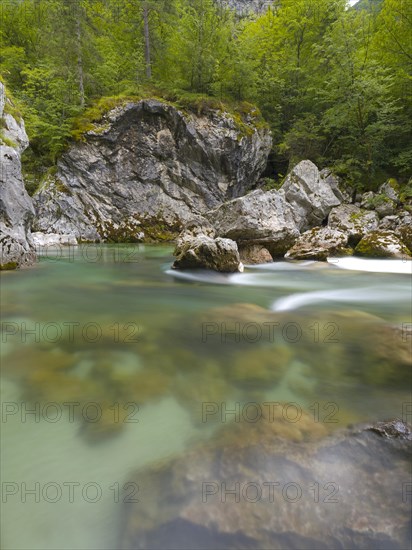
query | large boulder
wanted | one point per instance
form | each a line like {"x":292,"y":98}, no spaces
{"x":254,"y":488}
{"x":206,"y":252}
{"x":309,"y":194}
{"x":342,"y":192}
{"x":382,"y":244}
{"x":16,"y":208}
{"x":149,"y":167}
{"x":353,"y":221}
{"x":318,"y":244}
{"x":259,"y":218}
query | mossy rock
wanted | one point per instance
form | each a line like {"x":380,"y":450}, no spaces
{"x":260,"y":367}
{"x":382,"y":244}
{"x":9,"y":266}
{"x":7,"y":141}
{"x":405,"y":233}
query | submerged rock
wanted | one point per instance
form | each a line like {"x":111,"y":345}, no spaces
{"x":382,"y":244}
{"x":16,"y":208}
{"x":149,"y":167}
{"x":318,"y":244}
{"x":349,"y":490}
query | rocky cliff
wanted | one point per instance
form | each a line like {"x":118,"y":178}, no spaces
{"x":148,"y":167}
{"x":244,"y":7}
{"x":16,"y":208}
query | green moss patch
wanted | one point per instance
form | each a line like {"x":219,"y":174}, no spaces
{"x":9,"y":266}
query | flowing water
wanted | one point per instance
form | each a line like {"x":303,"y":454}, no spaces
{"x":111,"y":361}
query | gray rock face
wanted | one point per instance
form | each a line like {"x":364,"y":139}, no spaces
{"x":382,"y":244}
{"x":318,"y":244}
{"x":53,"y":239}
{"x":149,"y":163}
{"x":207,"y":253}
{"x":260,"y":491}
{"x":263,"y":218}
{"x":340,"y":192}
{"x":309,"y":195}
{"x":353,"y":221}
{"x":16,"y":208}
{"x":388,"y":190}
{"x":245,"y":7}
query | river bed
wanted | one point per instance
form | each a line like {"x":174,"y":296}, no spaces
{"x":111,"y":362}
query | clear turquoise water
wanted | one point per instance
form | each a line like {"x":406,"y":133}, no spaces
{"x":149,"y":348}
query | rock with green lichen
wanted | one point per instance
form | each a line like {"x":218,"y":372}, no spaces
{"x":382,"y":244}
{"x":353,"y":221}
{"x":145,"y":167}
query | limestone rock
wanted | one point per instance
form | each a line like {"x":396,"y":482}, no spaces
{"x":150,"y":167}
{"x":353,"y":221}
{"x":254,"y":254}
{"x":343,"y":194}
{"x":208,"y":253}
{"x":318,"y":244}
{"x":53,"y":239}
{"x":16,"y":208}
{"x":258,"y":218}
{"x":382,"y":244}
{"x":309,"y":195}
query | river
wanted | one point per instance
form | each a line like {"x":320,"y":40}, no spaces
{"x":112,"y":361}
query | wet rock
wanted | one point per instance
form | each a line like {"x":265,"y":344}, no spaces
{"x":393,"y":428}
{"x":264,"y":491}
{"x":318,"y":244}
{"x":359,"y":347}
{"x":309,"y":195}
{"x":16,"y":208}
{"x":149,"y":167}
{"x":53,"y":239}
{"x":254,"y":254}
{"x":259,"y":218}
{"x":353,"y":221}
{"x":382,"y":244}
{"x":207,"y":253}
{"x":260,"y":367}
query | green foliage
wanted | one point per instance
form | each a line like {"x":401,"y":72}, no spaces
{"x":334,"y":84}
{"x":377,"y":200}
{"x":4,"y":140}
{"x":270,"y":183}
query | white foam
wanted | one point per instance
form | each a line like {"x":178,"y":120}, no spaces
{"x":347,"y":295}
{"x":373,"y":266}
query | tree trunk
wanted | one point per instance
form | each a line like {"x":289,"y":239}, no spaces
{"x":147,"y":41}
{"x":80,"y":60}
